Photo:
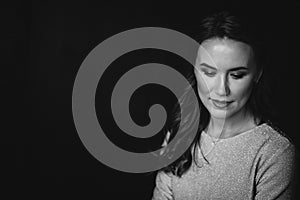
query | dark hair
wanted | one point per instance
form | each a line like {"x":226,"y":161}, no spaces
{"x":221,"y":25}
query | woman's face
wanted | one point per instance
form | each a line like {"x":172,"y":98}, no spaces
{"x":225,"y":72}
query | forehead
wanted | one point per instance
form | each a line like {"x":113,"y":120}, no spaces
{"x":224,"y":53}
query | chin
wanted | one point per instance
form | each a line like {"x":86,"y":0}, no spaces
{"x":220,"y":114}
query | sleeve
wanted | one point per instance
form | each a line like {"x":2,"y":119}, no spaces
{"x":163,"y":189}
{"x":275,"y":174}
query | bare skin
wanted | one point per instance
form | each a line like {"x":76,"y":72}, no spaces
{"x":225,"y":72}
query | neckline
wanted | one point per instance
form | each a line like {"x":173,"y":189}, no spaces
{"x":217,"y":140}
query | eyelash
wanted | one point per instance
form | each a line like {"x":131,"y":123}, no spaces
{"x":209,"y":74}
{"x":237,"y":76}
{"x":234,"y":76}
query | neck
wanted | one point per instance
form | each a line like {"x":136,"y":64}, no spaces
{"x":229,"y":127}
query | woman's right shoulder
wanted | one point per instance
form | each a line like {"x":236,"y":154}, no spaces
{"x":165,"y":177}
{"x":163,"y":188}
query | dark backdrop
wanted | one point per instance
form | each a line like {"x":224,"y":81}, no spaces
{"x":45,"y":44}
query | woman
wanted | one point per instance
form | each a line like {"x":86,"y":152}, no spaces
{"x":237,"y":153}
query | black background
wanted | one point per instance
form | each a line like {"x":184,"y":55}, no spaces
{"x":44,"y":45}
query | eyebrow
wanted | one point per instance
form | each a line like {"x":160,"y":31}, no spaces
{"x":232,"y":69}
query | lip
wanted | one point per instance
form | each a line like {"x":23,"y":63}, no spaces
{"x":220,"y":104}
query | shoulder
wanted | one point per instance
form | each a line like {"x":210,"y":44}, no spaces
{"x":275,"y":164}
{"x":163,"y":188}
{"x":270,"y":134}
{"x":163,"y":176}
{"x":273,"y":141}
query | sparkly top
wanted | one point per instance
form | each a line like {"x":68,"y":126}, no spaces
{"x":255,"y":164}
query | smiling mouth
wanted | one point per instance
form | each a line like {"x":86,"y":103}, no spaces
{"x":220,"y":104}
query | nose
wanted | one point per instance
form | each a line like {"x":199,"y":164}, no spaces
{"x":222,"y":88}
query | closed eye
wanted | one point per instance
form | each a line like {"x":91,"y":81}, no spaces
{"x":238,"y":75}
{"x":209,"y":73}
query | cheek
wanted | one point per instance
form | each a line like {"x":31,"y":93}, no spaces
{"x":241,"y":90}
{"x":203,"y":86}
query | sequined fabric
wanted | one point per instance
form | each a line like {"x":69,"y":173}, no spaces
{"x":256,"y":164}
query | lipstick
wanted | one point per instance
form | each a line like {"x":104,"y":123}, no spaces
{"x":221,"y":104}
